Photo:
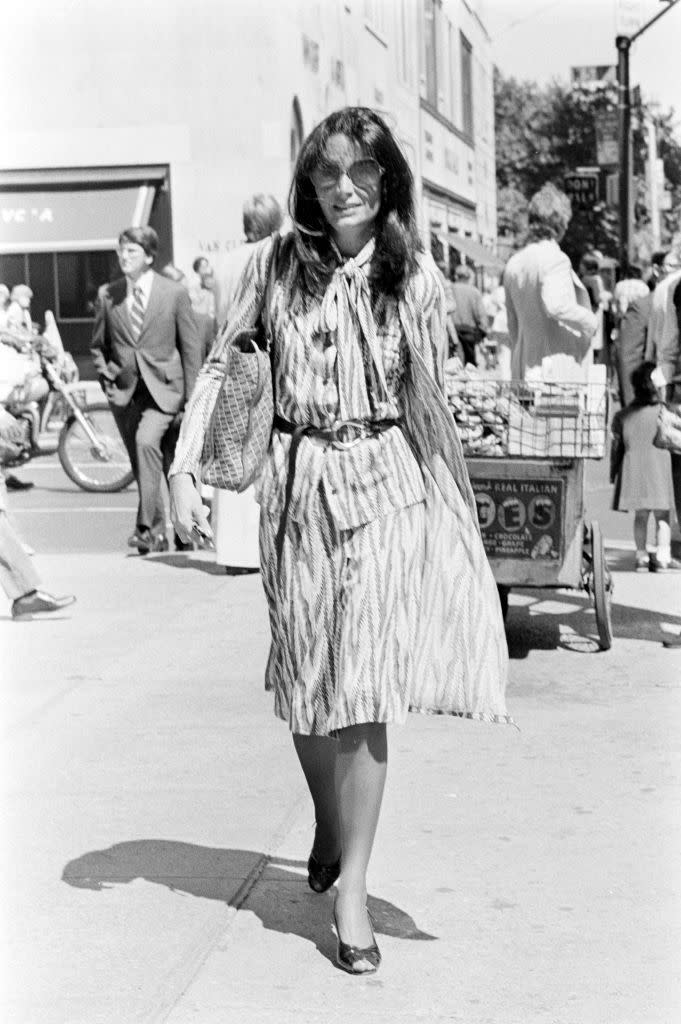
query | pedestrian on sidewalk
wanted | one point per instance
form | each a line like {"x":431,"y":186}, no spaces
{"x":642,"y":473}
{"x":380,"y":596}
{"x":235,"y":516}
{"x":18,"y":577}
{"x":550,"y":322}
{"x":147,"y":353}
{"x":470,"y":317}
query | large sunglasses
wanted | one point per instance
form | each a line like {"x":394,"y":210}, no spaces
{"x":364,"y":174}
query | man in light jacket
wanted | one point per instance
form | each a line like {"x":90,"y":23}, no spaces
{"x":550,"y":322}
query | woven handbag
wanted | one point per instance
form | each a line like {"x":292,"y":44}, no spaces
{"x":240,"y":427}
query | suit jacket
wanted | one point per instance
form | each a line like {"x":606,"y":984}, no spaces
{"x":659,"y":323}
{"x":548,"y":307}
{"x":631,"y":343}
{"x":167,"y":354}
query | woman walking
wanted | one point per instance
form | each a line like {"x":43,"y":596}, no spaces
{"x":380,"y":596}
{"x":642,"y":473}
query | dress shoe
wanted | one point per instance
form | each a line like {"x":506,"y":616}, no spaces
{"x":353,"y":959}
{"x":670,"y":566}
{"x":183,"y":545}
{"x":321,"y":877}
{"x":142,"y":540}
{"x":37,"y":601}
{"x":13,"y":483}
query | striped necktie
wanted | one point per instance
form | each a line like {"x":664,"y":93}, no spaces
{"x":137,"y":312}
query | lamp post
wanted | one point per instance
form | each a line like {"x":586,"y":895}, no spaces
{"x":623,"y":44}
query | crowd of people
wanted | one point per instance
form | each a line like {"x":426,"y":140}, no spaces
{"x":21,"y":345}
{"x":363,"y":520}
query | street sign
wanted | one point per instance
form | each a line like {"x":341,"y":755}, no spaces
{"x":586,"y":74}
{"x":606,"y":125}
{"x":582,"y":188}
{"x":629,"y":17}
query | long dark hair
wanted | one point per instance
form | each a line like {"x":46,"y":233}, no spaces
{"x":396,"y":235}
{"x":645,"y":392}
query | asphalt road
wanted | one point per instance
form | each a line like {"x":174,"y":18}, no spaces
{"x":57,"y":517}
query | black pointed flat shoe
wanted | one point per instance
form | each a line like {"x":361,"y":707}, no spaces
{"x":350,"y":957}
{"x":321,"y":877}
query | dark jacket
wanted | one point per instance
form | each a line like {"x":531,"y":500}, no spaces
{"x":167,"y":354}
{"x":631,"y":344}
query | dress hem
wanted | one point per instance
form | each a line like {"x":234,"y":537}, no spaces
{"x":473,"y":716}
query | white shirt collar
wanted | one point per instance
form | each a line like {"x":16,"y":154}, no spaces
{"x":144,"y":281}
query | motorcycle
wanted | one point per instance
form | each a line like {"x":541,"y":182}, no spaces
{"x":88,"y":444}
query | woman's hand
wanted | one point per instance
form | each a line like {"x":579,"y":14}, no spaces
{"x":187,"y":511}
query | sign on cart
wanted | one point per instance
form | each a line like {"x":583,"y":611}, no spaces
{"x":521,"y":518}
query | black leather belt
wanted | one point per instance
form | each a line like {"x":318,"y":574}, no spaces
{"x":342,"y":435}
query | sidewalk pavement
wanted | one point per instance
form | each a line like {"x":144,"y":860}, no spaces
{"x":157,"y":826}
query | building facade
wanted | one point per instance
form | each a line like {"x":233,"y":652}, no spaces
{"x":173,"y":114}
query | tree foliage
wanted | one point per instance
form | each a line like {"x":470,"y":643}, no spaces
{"x":544,"y":132}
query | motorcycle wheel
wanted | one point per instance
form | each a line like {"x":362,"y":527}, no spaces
{"x":88,"y":468}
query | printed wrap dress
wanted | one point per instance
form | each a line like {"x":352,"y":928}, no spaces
{"x":383,"y":600}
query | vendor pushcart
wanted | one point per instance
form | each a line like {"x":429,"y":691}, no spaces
{"x":526,"y":443}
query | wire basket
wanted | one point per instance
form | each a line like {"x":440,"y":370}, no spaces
{"x":528,"y":419}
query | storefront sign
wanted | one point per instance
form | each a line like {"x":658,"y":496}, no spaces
{"x":521,"y":518}
{"x":70,"y":219}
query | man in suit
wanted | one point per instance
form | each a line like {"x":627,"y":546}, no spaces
{"x":146,"y":350}
{"x":631,"y":344}
{"x":549,"y":310}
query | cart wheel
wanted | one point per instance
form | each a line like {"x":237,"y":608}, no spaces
{"x":504,"y":591}
{"x":598,"y":583}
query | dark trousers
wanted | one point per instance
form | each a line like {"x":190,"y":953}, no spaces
{"x":150,"y":439}
{"x":676,"y":479}
{"x":468,"y":339}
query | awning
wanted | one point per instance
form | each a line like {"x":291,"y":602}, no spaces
{"x":475,"y":252}
{"x":71,"y":219}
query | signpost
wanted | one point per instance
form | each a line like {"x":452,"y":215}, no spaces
{"x":623,"y":43}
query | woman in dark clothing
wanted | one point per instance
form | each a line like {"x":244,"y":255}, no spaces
{"x":642,"y":473}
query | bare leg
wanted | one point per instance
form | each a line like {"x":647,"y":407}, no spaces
{"x":361,"y":766}
{"x":641,"y":529}
{"x":663,"y":536}
{"x":317,"y":756}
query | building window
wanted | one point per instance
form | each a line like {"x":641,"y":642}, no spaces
{"x":79,"y":276}
{"x":453,"y":91}
{"x":430,"y":50}
{"x":466,"y":85}
{"x":405,"y":33}
{"x":13,"y":269}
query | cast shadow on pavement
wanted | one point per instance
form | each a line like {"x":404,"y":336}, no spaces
{"x":185,"y":560}
{"x":243,"y":879}
{"x":550,"y":619}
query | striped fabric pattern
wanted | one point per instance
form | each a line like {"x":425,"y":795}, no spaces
{"x":385,"y":601}
{"x":137,"y":312}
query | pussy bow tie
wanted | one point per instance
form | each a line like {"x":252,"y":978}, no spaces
{"x":346,"y":303}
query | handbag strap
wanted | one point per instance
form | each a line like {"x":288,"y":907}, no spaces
{"x":264,"y":311}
